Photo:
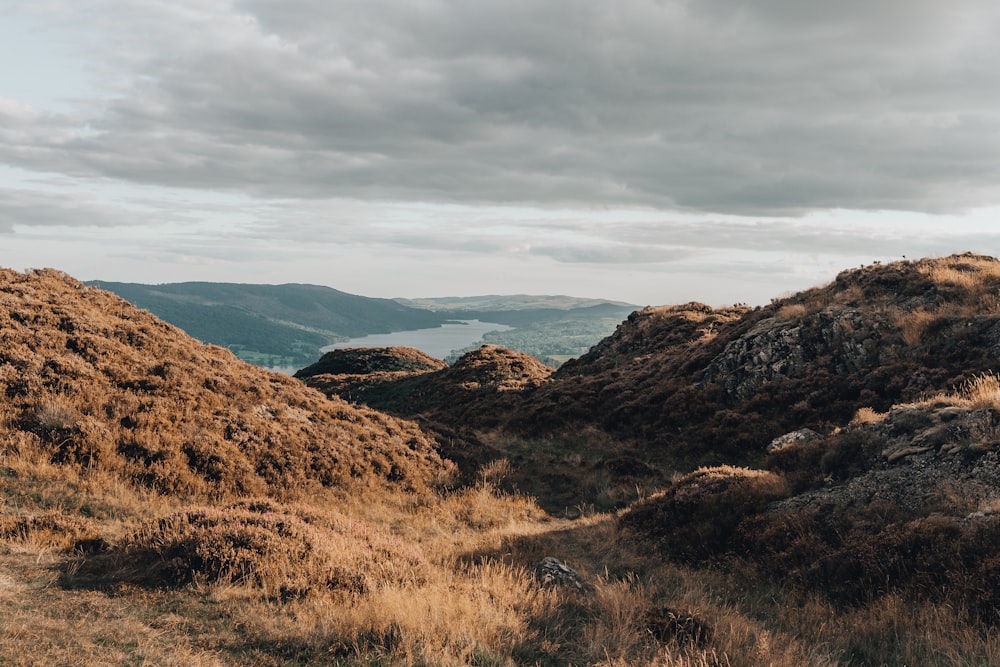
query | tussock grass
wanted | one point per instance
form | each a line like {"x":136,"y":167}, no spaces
{"x":792,"y":311}
{"x":868,"y":415}
{"x":914,"y":325}
{"x":982,"y":391}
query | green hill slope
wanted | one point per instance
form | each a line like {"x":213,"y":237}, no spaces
{"x":272,"y":324}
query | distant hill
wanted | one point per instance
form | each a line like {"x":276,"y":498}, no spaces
{"x":272,"y":325}
{"x":286,"y":325}
{"x":499,"y":302}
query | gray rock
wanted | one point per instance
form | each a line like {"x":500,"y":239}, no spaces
{"x":552,"y":573}
{"x":795,"y":438}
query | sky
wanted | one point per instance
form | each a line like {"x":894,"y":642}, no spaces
{"x":650,"y":151}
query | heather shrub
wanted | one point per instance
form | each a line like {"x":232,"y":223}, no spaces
{"x":693,"y":520}
{"x":285,"y":551}
{"x":53,"y":530}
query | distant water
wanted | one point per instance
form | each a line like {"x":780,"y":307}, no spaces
{"x":437,"y":342}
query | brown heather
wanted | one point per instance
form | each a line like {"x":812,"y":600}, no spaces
{"x":165,"y":504}
{"x":94,"y":383}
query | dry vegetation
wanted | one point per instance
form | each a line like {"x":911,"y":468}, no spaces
{"x":164,"y":504}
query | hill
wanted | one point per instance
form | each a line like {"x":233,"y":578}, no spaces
{"x":92,"y":382}
{"x":813,"y":482}
{"x":272,"y":324}
{"x":843,"y":439}
{"x":507,"y":302}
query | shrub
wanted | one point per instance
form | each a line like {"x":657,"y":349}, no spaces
{"x":56,"y":415}
{"x":285,"y":551}
{"x":693,"y":520}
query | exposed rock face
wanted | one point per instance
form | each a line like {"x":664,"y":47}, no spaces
{"x":914,"y":458}
{"x":842,"y":340}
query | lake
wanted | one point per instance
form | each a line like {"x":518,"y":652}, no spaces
{"x":438,"y":342}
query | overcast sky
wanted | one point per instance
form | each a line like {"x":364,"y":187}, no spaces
{"x":653,"y":151}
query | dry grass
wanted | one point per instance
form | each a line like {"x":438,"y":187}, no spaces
{"x":435,"y":581}
{"x":164,"y":505}
{"x":913,"y":325}
{"x":968,"y":272}
{"x":792,"y":311}
{"x":868,"y":415}
{"x":982,"y":392}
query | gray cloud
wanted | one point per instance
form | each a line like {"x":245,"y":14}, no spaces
{"x":31,"y":209}
{"x":777,"y":107}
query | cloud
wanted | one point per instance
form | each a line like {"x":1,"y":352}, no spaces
{"x":33,"y":209}
{"x":770,"y":108}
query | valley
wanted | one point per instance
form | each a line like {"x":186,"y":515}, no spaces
{"x":810,"y":482}
{"x":285,"y":327}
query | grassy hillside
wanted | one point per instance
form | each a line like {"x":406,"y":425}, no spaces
{"x":272,"y":324}
{"x":163,"y":503}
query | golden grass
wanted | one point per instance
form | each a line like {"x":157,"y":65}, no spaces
{"x":792,"y":311}
{"x":913,"y":325}
{"x":162,"y":506}
{"x":443,"y":581}
{"x":868,"y":415}
{"x":982,"y":392}
{"x":968,"y":272}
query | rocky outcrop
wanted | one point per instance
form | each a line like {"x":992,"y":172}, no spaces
{"x":906,"y":501}
{"x":841,"y":340}
{"x":939,"y":456}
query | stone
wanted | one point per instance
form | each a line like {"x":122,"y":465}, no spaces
{"x":799,"y":437}
{"x":553,"y":573}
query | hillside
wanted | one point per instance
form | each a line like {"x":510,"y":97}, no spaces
{"x":495,"y":303}
{"x":814,"y":482}
{"x":843,"y":442}
{"x":676,"y":387}
{"x":271,"y":324}
{"x":91,"y":381}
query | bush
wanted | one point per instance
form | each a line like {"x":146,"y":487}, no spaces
{"x":694,"y":519}
{"x":286,"y":551}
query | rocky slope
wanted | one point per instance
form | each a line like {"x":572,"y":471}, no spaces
{"x":717,"y":385}
{"x":94,"y":383}
{"x":904,"y":501}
